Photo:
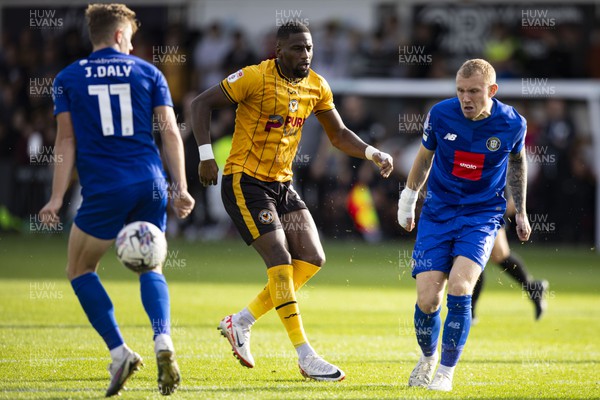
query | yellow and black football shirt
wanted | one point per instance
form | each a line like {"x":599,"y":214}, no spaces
{"x":271,"y":110}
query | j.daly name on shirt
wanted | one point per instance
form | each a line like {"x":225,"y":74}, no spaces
{"x":101,"y":71}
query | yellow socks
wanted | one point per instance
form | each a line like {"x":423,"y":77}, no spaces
{"x":283,"y":296}
{"x":262,"y":303}
{"x":303,"y":272}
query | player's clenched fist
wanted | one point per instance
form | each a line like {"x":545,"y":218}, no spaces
{"x":384,"y":162}
{"x":406,"y":208}
{"x":208,"y":172}
{"x":49,"y":214}
{"x":523,"y":227}
{"x":183,"y":204}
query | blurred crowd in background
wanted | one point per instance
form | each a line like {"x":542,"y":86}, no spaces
{"x":345,"y":195}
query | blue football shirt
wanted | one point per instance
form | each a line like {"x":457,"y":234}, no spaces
{"x":111,"y":97}
{"x":468,"y":175}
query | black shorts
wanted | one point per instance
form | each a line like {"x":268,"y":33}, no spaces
{"x":255,"y":206}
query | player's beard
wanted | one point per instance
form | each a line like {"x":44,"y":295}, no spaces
{"x":299,"y":73}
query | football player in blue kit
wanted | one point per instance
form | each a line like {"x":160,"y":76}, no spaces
{"x":472,"y":146}
{"x":104,"y":106}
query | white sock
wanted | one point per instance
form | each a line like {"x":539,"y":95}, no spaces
{"x":304,"y":350}
{"x":244,"y":318}
{"x":429,"y":358}
{"x":117,"y":352}
{"x":163,"y":342}
{"x":448,"y":371}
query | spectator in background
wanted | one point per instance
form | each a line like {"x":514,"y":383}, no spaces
{"x":423,"y":38}
{"x":267,"y":49}
{"x":51,"y":62}
{"x":330,"y":174}
{"x":378,"y":59}
{"x":6,"y":167}
{"x":538,"y":46}
{"x":208,"y":221}
{"x":572,"y":43}
{"x":176,"y":64}
{"x":357,"y":117}
{"x":360,"y":205}
{"x":143,"y":45}
{"x":556,"y":141}
{"x":500,"y":50}
{"x":390,"y":29}
{"x":73,"y":47}
{"x":239,"y":55}
{"x":209,"y":53}
{"x":29,"y":49}
{"x":593,"y":53}
{"x":332,"y":55}
{"x":580,"y":191}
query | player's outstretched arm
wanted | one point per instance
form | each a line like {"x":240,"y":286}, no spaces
{"x":202,"y":107}
{"x":416,"y":179}
{"x":183,"y":202}
{"x":516,"y":178}
{"x":64,"y":150}
{"x":348,"y":142}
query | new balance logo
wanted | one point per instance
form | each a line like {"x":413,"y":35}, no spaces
{"x":450,"y":136}
{"x":454,"y":325}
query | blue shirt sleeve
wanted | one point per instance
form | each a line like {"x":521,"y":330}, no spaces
{"x":520,"y":138}
{"x":161,"y":95}
{"x":429,"y":139}
{"x":59,"y":96}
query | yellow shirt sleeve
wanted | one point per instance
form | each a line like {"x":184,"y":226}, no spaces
{"x":325,"y":103}
{"x":240,"y":85}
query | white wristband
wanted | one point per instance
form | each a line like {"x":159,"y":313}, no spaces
{"x":369,"y":151}
{"x":206,"y":152}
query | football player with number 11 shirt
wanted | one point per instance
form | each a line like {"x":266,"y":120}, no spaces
{"x":104,"y":107}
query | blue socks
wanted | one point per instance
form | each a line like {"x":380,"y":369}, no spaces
{"x":155,"y":298}
{"x":456,"y":329}
{"x":427,"y":329}
{"x":99,"y":309}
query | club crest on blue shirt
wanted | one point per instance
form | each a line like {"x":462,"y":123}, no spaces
{"x":493,"y":143}
{"x":293,"y":105}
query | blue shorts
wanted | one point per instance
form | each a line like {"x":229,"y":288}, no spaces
{"x":438,"y":243}
{"x":102,"y":215}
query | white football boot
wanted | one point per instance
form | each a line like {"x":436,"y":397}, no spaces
{"x":239,"y":339}
{"x":121,"y":369}
{"x":441,"y":382}
{"x":314,"y":367}
{"x":423,"y":372}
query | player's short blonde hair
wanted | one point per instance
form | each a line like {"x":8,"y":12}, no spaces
{"x":478,"y":65}
{"x":103,"y":20}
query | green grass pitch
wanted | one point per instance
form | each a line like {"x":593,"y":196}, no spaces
{"x":357,"y":313}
